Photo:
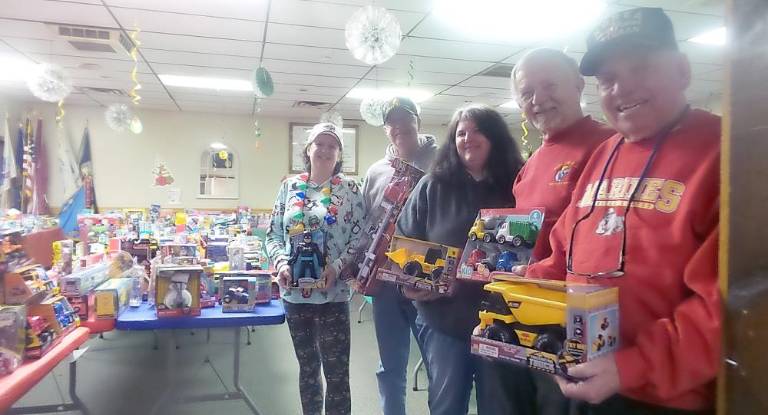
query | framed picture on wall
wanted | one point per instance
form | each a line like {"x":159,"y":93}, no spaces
{"x":298,"y":136}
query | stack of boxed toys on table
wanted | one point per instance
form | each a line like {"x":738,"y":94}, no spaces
{"x":33,"y":316}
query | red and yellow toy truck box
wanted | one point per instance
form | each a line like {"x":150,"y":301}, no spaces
{"x":546,"y":325}
{"x":420,"y":264}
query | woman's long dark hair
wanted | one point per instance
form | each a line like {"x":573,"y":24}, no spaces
{"x":504,"y":160}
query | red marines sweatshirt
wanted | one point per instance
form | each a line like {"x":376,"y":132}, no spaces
{"x":670,"y":305}
{"x":547,"y":179}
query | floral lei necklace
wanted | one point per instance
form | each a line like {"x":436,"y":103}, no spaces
{"x":332,"y":210}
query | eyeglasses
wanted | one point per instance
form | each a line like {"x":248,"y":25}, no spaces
{"x":619,"y":271}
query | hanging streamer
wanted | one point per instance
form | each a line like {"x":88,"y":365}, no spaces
{"x":411,"y":72}
{"x":527,"y":150}
{"x":60,"y":112}
{"x":135,"y":97}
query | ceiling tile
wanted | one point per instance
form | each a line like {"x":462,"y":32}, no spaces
{"x":199,"y":26}
{"x":310,"y":54}
{"x":329,"y":15}
{"x":455,"y":66}
{"x":310,"y":36}
{"x":235,"y":9}
{"x":176,"y":42}
{"x":46,"y":11}
{"x":456,"y":50}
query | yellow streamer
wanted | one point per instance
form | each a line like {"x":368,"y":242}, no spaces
{"x":135,"y":97}
{"x":527,"y":150}
{"x":60,"y":112}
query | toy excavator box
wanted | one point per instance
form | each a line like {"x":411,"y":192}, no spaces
{"x":546,"y":325}
{"x":499,"y":240}
{"x":419,"y":264}
{"x":378,"y":230}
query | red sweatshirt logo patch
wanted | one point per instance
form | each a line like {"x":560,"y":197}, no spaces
{"x":562,"y":171}
{"x":660,"y":194}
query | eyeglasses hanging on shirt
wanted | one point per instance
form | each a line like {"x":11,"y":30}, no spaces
{"x":619,"y":271}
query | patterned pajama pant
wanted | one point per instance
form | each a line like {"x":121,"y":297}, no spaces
{"x":321,"y":338}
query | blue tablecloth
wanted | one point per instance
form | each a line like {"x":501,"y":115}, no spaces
{"x":145,"y":318}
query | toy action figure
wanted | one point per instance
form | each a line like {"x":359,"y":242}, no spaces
{"x":307,"y":261}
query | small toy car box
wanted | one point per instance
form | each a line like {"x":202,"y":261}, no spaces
{"x":547,"y":325}
{"x":12,"y":330}
{"x":238,"y":294}
{"x":498,"y":240}
{"x":420,"y":264}
{"x":111,"y":297}
{"x":376,"y":236}
{"x":57,"y":312}
{"x":83,"y":281}
{"x":262,"y":293}
{"x":178,"y":290}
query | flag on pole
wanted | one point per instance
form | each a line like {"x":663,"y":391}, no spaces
{"x":40,"y":179}
{"x":86,"y":171}
{"x":28,"y":169}
{"x":67,"y":164}
{"x":10,"y":170}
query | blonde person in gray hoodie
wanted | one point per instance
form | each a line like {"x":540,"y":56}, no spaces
{"x":394,"y":316}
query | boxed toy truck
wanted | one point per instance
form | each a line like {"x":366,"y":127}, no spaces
{"x":420,"y":264}
{"x":546,"y":325}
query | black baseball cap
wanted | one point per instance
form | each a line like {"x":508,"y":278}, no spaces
{"x":643,"y":27}
{"x":399,"y":102}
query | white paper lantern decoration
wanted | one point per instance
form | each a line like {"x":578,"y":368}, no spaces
{"x":373,"y":35}
{"x":372,"y":111}
{"x":119,"y":117}
{"x":49,"y":82}
{"x":333,"y":117}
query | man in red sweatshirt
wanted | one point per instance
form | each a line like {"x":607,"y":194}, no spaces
{"x":644,"y":218}
{"x":548,"y":87}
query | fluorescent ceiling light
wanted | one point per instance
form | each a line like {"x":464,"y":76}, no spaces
{"x":715,"y":37}
{"x":417,"y":95}
{"x":218,"y":146}
{"x":518,"y":21}
{"x":15,"y":70}
{"x":512,"y":105}
{"x":202,"y":82}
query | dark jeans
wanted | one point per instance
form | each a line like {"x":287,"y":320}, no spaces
{"x":320,"y":334}
{"x":618,"y":404}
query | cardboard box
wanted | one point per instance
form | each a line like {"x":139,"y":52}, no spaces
{"x":547,"y":325}
{"x":28,"y":284}
{"x":13,"y":321}
{"x":83,"y":281}
{"x":260,"y":293}
{"x":80,"y":304}
{"x":419,"y":264}
{"x":111,"y":297}
{"x":178,"y":290}
{"x":498,"y":240}
{"x":377,"y":236}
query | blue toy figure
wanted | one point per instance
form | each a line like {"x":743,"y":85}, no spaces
{"x":307,"y":260}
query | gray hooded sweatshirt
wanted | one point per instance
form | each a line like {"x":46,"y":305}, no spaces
{"x":380,"y":173}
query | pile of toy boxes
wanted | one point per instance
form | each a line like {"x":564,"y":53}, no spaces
{"x":33,"y":316}
{"x":545,"y":325}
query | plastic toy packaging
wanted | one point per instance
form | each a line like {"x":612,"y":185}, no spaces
{"x":420,"y":264}
{"x":498,"y":240}
{"x":307,"y":259}
{"x":12,"y":332}
{"x":376,"y":236}
{"x":547,"y":325}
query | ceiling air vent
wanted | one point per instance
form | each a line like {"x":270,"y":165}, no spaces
{"x":96,"y":90}
{"x":312,"y":104}
{"x":501,"y":70}
{"x":93,"y":39}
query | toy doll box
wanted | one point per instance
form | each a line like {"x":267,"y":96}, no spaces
{"x":498,"y":240}
{"x":419,"y":264}
{"x":178,"y":290}
{"x":12,"y":330}
{"x":377,"y":236}
{"x":546,"y":325}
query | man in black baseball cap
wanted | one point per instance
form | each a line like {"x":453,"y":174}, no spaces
{"x":657,"y":182}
